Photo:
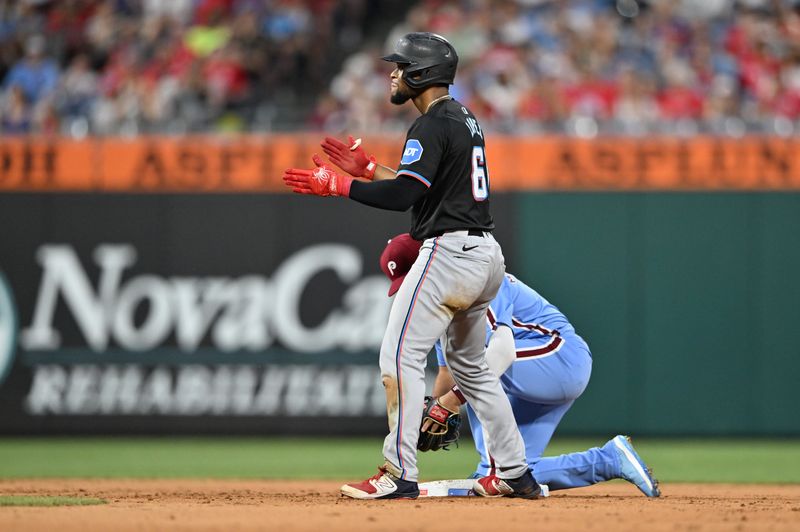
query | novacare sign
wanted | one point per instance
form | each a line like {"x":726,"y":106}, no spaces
{"x":244,"y":313}
{"x":154,"y":344}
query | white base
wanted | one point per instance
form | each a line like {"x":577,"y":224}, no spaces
{"x":457,"y":488}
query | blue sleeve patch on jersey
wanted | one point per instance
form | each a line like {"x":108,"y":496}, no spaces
{"x":412,"y":152}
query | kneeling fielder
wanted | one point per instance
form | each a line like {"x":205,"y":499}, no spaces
{"x":543,"y":366}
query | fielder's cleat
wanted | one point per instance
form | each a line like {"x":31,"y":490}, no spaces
{"x":524,"y":487}
{"x":632,"y":467}
{"x":384,"y":485}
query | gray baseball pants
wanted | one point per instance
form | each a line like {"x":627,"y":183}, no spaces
{"x":446,"y":293}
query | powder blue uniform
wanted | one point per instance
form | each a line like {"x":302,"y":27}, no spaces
{"x":551,"y":370}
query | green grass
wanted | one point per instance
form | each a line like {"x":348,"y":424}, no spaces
{"x":735,"y":460}
{"x":38,"y":500}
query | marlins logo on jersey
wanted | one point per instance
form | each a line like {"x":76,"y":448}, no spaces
{"x":8,"y":327}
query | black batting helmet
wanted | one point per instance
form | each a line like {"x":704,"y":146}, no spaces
{"x":426,"y":58}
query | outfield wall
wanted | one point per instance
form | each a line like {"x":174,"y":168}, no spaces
{"x":191,"y":313}
{"x":257,"y":313}
{"x":690,"y":303}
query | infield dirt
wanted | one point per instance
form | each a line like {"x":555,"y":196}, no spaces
{"x":316,"y":505}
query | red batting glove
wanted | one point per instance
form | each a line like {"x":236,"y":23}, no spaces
{"x":350,"y":157}
{"x":322,"y":181}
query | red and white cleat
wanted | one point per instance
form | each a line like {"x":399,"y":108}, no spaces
{"x":384,"y":485}
{"x":524,"y":487}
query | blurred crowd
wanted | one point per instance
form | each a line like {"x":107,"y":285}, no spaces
{"x":589,"y":67}
{"x":579,"y":67}
{"x":78,"y":67}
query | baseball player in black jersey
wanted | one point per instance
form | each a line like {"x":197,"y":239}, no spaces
{"x":443,"y":178}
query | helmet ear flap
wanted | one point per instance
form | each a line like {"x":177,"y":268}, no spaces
{"x":416,"y":79}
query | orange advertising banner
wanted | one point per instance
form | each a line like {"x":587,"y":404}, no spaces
{"x":255,"y":163}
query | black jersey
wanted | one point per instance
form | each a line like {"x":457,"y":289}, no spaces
{"x":445,"y":151}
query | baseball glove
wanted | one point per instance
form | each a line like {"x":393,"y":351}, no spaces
{"x":443,"y":429}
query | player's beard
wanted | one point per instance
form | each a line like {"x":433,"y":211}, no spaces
{"x":403,"y":94}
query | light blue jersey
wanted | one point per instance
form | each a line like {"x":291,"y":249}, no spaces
{"x":552,"y":368}
{"x":539,"y":327}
